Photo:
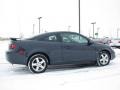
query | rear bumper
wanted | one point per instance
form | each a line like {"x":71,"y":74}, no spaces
{"x":15,"y":58}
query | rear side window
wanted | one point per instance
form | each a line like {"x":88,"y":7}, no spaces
{"x":52,"y":38}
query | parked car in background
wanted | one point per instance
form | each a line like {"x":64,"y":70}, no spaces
{"x":106,"y":41}
{"x":115,"y":42}
{"x":56,"y":48}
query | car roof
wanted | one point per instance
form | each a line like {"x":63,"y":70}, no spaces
{"x":47,"y":33}
{"x":56,"y":32}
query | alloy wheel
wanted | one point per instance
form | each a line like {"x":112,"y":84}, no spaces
{"x":104,"y":59}
{"x":38,"y":63}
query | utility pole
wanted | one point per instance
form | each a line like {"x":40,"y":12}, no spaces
{"x":93,"y":23}
{"x":79,"y":17}
{"x":39,"y":23}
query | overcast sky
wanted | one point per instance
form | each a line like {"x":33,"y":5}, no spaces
{"x":18,"y":16}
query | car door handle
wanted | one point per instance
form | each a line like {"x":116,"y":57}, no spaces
{"x":67,"y":47}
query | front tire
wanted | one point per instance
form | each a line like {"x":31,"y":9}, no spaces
{"x":37,"y":63}
{"x":104,"y":59}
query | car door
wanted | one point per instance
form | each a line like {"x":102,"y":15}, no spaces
{"x":75,"y":48}
{"x":53,"y":47}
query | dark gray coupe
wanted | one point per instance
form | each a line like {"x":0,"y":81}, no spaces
{"x":57,"y":48}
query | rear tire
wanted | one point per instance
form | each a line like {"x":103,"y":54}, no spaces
{"x":38,"y":63}
{"x":104,"y":59}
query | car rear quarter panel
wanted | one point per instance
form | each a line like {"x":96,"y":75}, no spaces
{"x":51,"y":49}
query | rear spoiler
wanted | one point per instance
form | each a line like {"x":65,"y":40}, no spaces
{"x":14,"y":39}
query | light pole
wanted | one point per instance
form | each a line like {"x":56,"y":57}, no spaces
{"x":79,"y":16}
{"x":39,"y":23}
{"x":93,"y":23}
{"x":98,"y":31}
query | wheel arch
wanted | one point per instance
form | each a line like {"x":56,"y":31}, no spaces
{"x":38,"y":53}
{"x":104,"y":50}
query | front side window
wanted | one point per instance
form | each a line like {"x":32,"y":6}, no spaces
{"x":73,"y":38}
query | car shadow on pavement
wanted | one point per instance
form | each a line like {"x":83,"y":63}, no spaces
{"x":22,"y":70}
{"x":57,"y":68}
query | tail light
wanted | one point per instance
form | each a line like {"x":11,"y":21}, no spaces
{"x":12,"y":46}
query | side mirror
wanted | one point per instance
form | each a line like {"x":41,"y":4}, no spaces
{"x":90,"y":42}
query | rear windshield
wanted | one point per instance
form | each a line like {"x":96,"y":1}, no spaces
{"x":38,"y":37}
